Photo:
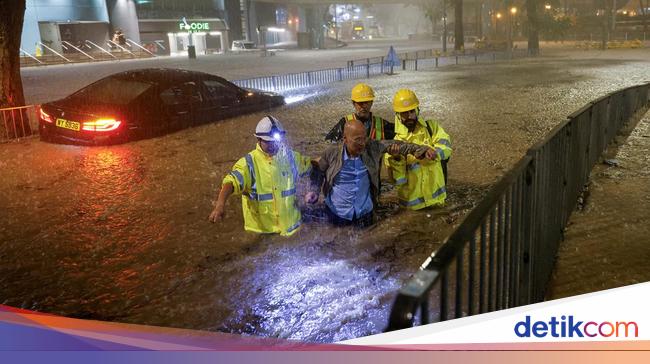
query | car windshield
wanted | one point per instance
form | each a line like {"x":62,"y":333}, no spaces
{"x":249,"y":45}
{"x":112,"y":90}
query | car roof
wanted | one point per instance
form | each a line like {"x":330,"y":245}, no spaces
{"x":161,"y":75}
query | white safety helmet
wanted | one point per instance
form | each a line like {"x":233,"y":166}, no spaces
{"x":270,"y":129}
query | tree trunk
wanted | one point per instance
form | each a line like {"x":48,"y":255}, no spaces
{"x":533,"y":27}
{"x":644,"y":16}
{"x":458,"y":26}
{"x":11,"y":86}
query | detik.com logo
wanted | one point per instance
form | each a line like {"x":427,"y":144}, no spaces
{"x":568,"y":326}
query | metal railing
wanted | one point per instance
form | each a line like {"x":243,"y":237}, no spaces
{"x":369,"y":68}
{"x":85,"y":51}
{"x":18,"y":122}
{"x":502,"y":254}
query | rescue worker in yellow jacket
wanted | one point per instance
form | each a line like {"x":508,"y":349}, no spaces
{"x":377,"y":128}
{"x":420,"y":182}
{"x":266,"y":178}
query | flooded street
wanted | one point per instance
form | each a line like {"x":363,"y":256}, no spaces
{"x":121,"y":233}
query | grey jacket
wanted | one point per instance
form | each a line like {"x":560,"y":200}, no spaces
{"x":331,"y":161}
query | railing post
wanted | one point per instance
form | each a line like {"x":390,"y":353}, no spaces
{"x":367,"y":67}
{"x":403,"y":64}
{"x":309,"y":78}
{"x":436,"y":62}
{"x":424,"y":312}
{"x":456,"y":59}
{"x":527,"y":279}
{"x":340,"y":74}
{"x":416,"y":64}
{"x":382,"y":64}
{"x":274,"y":81}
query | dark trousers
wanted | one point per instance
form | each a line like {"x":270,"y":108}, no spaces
{"x":360,"y":222}
{"x":444,"y":168}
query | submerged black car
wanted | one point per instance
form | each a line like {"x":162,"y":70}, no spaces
{"x":143,"y":103}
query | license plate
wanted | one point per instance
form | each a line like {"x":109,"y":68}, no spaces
{"x":67,"y":124}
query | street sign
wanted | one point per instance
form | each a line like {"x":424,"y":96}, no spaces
{"x":392,"y":59}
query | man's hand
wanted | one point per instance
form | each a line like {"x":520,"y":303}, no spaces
{"x":218,"y":213}
{"x":311,"y":197}
{"x":431,"y":154}
{"x":393,"y":149}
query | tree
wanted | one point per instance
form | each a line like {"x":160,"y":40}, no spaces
{"x":533,"y":27}
{"x":12,"y":14}
{"x":459,"y":38}
{"x":644,"y":14}
{"x":11,"y":19}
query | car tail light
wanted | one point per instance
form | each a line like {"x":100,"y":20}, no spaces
{"x":101,"y":125}
{"x":46,"y":117}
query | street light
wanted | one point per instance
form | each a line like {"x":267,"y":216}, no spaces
{"x":547,"y":7}
{"x":513,"y":10}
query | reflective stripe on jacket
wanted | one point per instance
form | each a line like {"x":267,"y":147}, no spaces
{"x":268,"y":188}
{"x":421,"y":183}
{"x":376,"y":128}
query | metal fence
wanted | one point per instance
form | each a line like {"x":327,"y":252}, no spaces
{"x":18,"y":122}
{"x":502,"y":255}
{"x":368,"y":68}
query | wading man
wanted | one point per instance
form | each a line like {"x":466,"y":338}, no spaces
{"x":349,"y":174}
{"x":376,"y":128}
{"x":266,"y":178}
{"x":420,"y":183}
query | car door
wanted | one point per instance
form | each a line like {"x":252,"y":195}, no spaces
{"x":222,"y":99}
{"x":182,"y":102}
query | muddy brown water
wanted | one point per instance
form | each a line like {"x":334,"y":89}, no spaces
{"x":121,"y":233}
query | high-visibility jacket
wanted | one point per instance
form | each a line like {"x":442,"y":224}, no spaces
{"x":376,"y":127}
{"x":268,"y":188}
{"x":420,"y":182}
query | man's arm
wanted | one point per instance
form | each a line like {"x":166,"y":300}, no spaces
{"x":389,"y":130}
{"x":317,"y":176}
{"x":336,"y":134}
{"x":396,"y":147}
{"x":236,"y":181}
{"x":218,"y":212}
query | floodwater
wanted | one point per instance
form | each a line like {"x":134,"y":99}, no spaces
{"x":121,"y":233}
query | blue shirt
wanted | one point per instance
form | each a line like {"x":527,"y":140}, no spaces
{"x":350,"y":196}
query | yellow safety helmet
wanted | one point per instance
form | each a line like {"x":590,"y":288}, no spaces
{"x":362,"y":93}
{"x":405,"y":100}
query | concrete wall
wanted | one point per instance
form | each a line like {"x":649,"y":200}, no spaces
{"x":58,"y":11}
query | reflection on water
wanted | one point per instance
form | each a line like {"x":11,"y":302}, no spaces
{"x":306,"y":294}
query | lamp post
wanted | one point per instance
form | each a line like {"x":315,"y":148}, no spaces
{"x":513,"y":12}
{"x":444,"y":26}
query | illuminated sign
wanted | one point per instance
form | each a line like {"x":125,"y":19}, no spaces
{"x":358,"y":28}
{"x":194,"y":26}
